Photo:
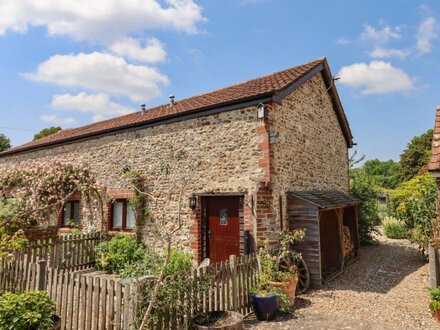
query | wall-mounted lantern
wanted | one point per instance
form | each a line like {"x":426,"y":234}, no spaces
{"x":192,"y":202}
{"x":261,"y":111}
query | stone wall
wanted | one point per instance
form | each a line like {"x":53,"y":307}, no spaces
{"x":235,"y":156}
{"x":225,"y":144}
{"x":310,"y":151}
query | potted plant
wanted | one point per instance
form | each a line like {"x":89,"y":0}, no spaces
{"x":277,"y":263}
{"x":278,"y":277}
{"x":28,"y":311}
{"x":265,"y":300}
{"x":434,"y":305}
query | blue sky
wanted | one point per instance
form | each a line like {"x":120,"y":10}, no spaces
{"x":69,"y":63}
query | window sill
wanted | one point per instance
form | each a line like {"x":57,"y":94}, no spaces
{"x":66,"y":230}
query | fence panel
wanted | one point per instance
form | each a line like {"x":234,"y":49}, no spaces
{"x":89,"y":301}
{"x":230,"y":283}
{"x":73,"y":252}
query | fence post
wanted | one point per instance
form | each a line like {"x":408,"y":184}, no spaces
{"x":41,"y":274}
{"x":233,"y":265}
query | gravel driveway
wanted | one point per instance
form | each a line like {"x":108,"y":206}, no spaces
{"x":384,"y":288}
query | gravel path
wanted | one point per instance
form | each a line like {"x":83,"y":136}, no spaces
{"x":385,"y":287}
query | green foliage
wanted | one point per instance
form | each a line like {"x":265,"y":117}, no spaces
{"x":46,"y":132}
{"x":122,"y":255}
{"x":30,"y":195}
{"x":276,"y":260}
{"x":385,"y":174}
{"x":10,"y":244}
{"x":125,"y":256}
{"x":394,"y":228}
{"x":413,"y":202}
{"x":415,"y":157}
{"x":364,"y":187}
{"x":5,"y":143}
{"x":29,"y":310}
{"x":435,"y":298}
{"x":180,"y":262}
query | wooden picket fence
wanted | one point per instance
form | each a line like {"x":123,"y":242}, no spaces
{"x":86,"y":300}
{"x":19,"y":276}
{"x":73,"y":252}
{"x":230,"y":284}
{"x":93,"y":302}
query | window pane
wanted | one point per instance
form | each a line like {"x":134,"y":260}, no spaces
{"x":130,"y":217}
{"x":66,"y":213}
{"x":76,"y":212}
{"x":117,"y":214}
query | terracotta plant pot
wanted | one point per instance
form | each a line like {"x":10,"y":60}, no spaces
{"x":219,"y":320}
{"x":289,"y":288}
{"x":437,"y":315}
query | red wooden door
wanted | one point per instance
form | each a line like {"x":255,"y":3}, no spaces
{"x":222,"y":214}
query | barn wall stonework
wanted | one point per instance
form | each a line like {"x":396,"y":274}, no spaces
{"x":311,"y":151}
{"x":226,"y":144}
{"x":235,"y":156}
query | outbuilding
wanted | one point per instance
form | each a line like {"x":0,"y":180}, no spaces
{"x":262,"y":144}
{"x":330,"y":221}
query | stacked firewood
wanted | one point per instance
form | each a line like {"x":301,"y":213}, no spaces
{"x":348,"y":243}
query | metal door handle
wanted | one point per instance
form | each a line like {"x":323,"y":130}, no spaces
{"x":209,"y":233}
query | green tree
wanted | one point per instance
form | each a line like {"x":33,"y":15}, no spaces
{"x":413,"y":202}
{"x":364,"y":187}
{"x":5,"y":143}
{"x":46,"y":132}
{"x":384,"y":173}
{"x":416,"y":156}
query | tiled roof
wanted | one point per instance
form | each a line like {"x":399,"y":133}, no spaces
{"x":434,"y":164}
{"x":326,"y":199}
{"x":268,"y":85}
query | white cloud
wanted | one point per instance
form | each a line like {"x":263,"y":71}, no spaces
{"x":380,"y":36}
{"x":102,"y":73}
{"x":100,"y":21}
{"x":54,"y":119}
{"x":426,"y":34}
{"x":377,"y":77}
{"x":389,"y":52}
{"x":343,"y":41}
{"x":99,"y":105}
{"x":151,"y":52}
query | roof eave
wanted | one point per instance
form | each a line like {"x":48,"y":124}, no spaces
{"x":199,"y":112}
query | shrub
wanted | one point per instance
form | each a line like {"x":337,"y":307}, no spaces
{"x":413,"y":202}
{"x":363,"y":187}
{"x":29,"y":310}
{"x":122,"y":255}
{"x":435,"y":298}
{"x":393,"y":228}
{"x":180,"y":263}
{"x":125,"y":256}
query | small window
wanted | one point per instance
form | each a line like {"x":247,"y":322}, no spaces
{"x":70,"y":214}
{"x":123,"y":217}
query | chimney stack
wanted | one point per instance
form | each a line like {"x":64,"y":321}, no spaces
{"x":143,"y":108}
{"x":171,"y":101}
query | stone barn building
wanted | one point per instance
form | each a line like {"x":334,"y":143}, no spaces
{"x":257,"y":142}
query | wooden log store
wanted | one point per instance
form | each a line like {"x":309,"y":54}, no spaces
{"x":330,"y":220}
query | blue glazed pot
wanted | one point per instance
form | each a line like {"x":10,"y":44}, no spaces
{"x":265,"y":307}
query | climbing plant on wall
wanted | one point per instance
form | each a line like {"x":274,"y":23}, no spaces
{"x":31,"y":194}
